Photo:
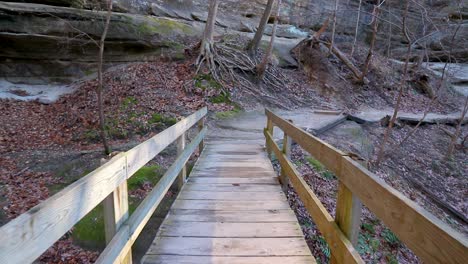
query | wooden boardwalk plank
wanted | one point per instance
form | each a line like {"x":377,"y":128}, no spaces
{"x":196,"y":246}
{"x":259,"y":216}
{"x":231,"y":210}
{"x":235,"y":180}
{"x":229,"y":205}
{"x":164,"y":259}
{"x":232,"y":196}
{"x":231,"y":187}
{"x":220,"y":229}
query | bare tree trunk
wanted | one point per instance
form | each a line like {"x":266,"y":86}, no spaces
{"x":102,"y":125}
{"x":334,"y":25}
{"x":372,"y":43}
{"x":262,"y":66}
{"x":255,"y":43}
{"x":388,"y":131}
{"x":455,"y":136}
{"x":389,"y":39}
{"x":206,"y":48}
{"x":357,"y":28}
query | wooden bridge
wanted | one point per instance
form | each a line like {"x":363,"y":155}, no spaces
{"x":231,"y":209}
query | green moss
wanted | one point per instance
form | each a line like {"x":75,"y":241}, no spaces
{"x":162,"y":120}
{"x":150,"y":174}
{"x":163,"y":26}
{"x":221,"y":98}
{"x":89,"y":231}
{"x":206,"y":81}
{"x":228,"y":114}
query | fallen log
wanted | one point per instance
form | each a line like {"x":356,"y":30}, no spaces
{"x":340,"y":55}
{"x":446,"y":120}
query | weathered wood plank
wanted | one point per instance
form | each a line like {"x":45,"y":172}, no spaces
{"x":220,"y":229}
{"x":341,"y":248}
{"x":223,"y":174}
{"x":348,"y":213}
{"x":431,"y":239}
{"x":138,"y":156}
{"x":115,"y":214}
{"x":45,"y":223}
{"x":183,"y":172}
{"x":232,"y":196}
{"x":129,"y":232}
{"x":229,"y":205}
{"x":231,"y":187}
{"x":253,"y":164}
{"x":164,"y":259}
{"x":237,"y":180}
{"x":259,"y":216}
{"x":322,"y":151}
{"x":229,"y":246}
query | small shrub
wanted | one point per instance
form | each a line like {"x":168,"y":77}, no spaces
{"x":390,"y":237}
{"x":368,"y":227}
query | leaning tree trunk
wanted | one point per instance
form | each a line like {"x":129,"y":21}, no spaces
{"x":372,"y":43}
{"x":255,"y":43}
{"x":261,"y":68}
{"x":334,"y":26}
{"x":206,"y":48}
{"x":102,"y":126}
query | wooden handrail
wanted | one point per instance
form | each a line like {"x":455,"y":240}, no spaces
{"x":26,"y":237}
{"x":429,"y":238}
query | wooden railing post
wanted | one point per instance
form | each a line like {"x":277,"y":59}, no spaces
{"x":183,"y":172}
{"x":348,"y":213}
{"x":287,"y":143}
{"x":269,"y":128}
{"x":201,"y":125}
{"x":116,"y":213}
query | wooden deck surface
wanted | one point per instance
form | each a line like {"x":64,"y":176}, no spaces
{"x":231,"y":210}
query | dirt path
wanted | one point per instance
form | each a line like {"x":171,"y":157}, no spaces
{"x":248,"y":126}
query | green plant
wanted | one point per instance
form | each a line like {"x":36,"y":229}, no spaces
{"x":129,"y":101}
{"x":328,"y":175}
{"x":323,"y":246}
{"x":391,"y":259}
{"x":315,"y":164}
{"x":390,"y":237}
{"x":369,"y":227}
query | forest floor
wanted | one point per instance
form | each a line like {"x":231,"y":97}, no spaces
{"x":45,"y":147}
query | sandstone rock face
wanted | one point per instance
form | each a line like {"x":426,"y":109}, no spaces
{"x":57,"y":40}
{"x":60,"y":42}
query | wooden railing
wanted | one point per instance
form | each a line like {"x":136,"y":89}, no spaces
{"x":25,"y":238}
{"x":430,"y":239}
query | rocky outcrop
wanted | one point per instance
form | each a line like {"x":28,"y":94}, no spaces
{"x":60,"y":42}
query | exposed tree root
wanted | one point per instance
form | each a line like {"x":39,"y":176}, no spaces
{"x":230,"y":66}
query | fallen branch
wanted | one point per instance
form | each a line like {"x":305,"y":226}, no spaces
{"x":340,"y":55}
